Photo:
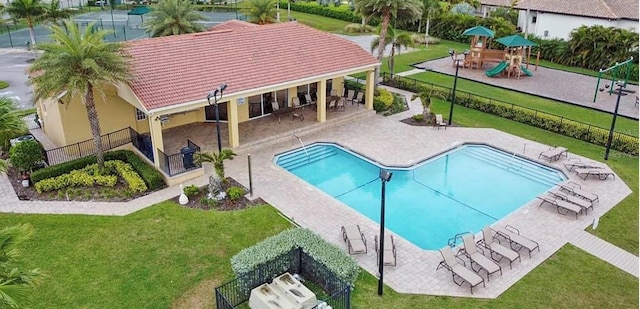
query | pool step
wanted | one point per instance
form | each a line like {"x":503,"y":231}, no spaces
{"x":300,"y":158}
{"x":516,"y":165}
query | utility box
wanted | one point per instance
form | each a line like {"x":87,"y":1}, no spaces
{"x":187,"y":157}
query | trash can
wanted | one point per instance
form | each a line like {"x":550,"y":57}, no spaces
{"x":187,"y":157}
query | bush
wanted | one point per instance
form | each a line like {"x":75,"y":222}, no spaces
{"x":342,"y":12}
{"x":85,"y":177}
{"x":191,"y":190}
{"x":211,"y":202}
{"x":235,"y":193}
{"x":26,"y":155}
{"x":417,"y":118}
{"x":331,"y":256}
{"x":126,"y":171}
{"x":358,"y":28}
{"x":383,"y":100}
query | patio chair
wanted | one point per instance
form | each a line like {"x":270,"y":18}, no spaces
{"x":554,"y":154}
{"x":277,"y":111}
{"x":389,"y":254}
{"x":332,"y":105}
{"x":340,"y":105}
{"x":440,"y":122}
{"x":450,"y":262}
{"x":470,"y":250}
{"x":560,"y":204}
{"x":577,"y":163}
{"x":576,"y":190}
{"x":350,"y":95}
{"x":356,"y":243}
{"x":310,"y":101}
{"x":516,"y":240}
{"x":359,"y":99}
{"x":297,"y":109}
{"x":498,"y":251}
{"x":584,"y":204}
{"x":602,"y":173}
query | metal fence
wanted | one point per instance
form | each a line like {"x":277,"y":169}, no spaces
{"x":87,"y":148}
{"x":551,"y":122}
{"x":181,"y":162}
{"x":337,"y":292}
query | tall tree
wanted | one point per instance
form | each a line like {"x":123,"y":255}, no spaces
{"x":260,"y":11}
{"x":173,"y":17}
{"x":11,"y":125}
{"x":408,"y":10}
{"x":397,"y":41}
{"x":429,"y":9}
{"x":80,"y":63}
{"x":15,"y":282}
{"x":30,"y":10}
{"x":53,"y":13}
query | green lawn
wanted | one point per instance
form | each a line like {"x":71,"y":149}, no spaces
{"x":319,"y":22}
{"x":553,"y":65}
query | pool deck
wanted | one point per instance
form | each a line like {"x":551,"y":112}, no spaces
{"x":390,"y":142}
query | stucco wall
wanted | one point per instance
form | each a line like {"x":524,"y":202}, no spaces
{"x":560,"y":26}
{"x":49,"y":114}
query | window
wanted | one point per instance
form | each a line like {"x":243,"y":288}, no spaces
{"x":140,"y":115}
{"x":534,"y":19}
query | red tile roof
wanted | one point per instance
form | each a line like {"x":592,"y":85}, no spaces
{"x":232,"y":24}
{"x":607,"y":9}
{"x":179,"y":69}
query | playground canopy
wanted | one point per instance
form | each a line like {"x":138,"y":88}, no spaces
{"x":140,"y":10}
{"x":479,"y":31}
{"x":515,"y":41}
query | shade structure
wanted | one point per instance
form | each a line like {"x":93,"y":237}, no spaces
{"x":140,"y":10}
{"x":479,"y":31}
{"x":515,"y":41}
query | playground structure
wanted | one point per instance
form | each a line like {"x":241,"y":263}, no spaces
{"x":627,"y":64}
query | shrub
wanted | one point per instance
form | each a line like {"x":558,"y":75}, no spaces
{"x":211,"y":202}
{"x":126,"y":171}
{"x":417,"y":118}
{"x":191,"y":190}
{"x":77,"y":178}
{"x":342,"y":12}
{"x":26,"y":155}
{"x":331,"y":256}
{"x":358,"y":28}
{"x":235,"y":193}
{"x":383,"y":100}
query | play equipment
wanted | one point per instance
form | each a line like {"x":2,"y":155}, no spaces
{"x":627,"y":64}
{"x":497,"y":70}
{"x":479,"y":53}
{"x":525,"y":71}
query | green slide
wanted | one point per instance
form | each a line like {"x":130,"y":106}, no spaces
{"x":525,"y":70}
{"x":497,"y":70}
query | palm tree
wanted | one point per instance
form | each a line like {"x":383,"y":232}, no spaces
{"x":15,"y":282}
{"x":408,"y":10}
{"x":11,"y":125}
{"x":79,"y":63}
{"x":30,"y":10}
{"x":173,"y":17}
{"x":429,"y":9}
{"x":397,"y":41}
{"x":259,"y":11}
{"x":217,"y":159}
{"x":53,"y":13}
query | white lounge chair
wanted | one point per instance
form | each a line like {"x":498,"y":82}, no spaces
{"x":389,"y":254}
{"x":554,"y":154}
{"x":575,"y":189}
{"x":560,"y":204}
{"x":450,"y":262}
{"x":470,"y":250}
{"x":440,"y":122}
{"x":602,"y":173}
{"x":496,"y":248}
{"x":516,"y":240}
{"x":577,"y":163}
{"x":356,"y":243}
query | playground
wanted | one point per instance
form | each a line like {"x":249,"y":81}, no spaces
{"x":513,"y":68}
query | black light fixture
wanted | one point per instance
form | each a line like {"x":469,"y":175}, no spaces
{"x":217,"y":95}
{"x":456,"y":60}
{"x":385,"y":176}
{"x":620,"y":85}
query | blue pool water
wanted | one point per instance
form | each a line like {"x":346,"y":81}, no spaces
{"x":461,"y":190}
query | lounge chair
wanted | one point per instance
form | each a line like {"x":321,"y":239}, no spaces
{"x":577,"y":163}
{"x":576,"y":190}
{"x":354,"y":238}
{"x":602,"y":173}
{"x":584,"y":204}
{"x":440,"y":122}
{"x":516,"y":240}
{"x":297,"y":109}
{"x":450,"y":262}
{"x":560,"y":204}
{"x":389,"y":254}
{"x":498,"y":251}
{"x":470,"y":250}
{"x":554,"y":154}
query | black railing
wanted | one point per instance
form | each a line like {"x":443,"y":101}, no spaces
{"x":547,"y":121}
{"x":337,"y":293}
{"x":87,"y":148}
{"x":181,"y":162}
{"x":142,"y":142}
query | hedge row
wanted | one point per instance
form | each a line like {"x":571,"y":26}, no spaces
{"x":342,"y":12}
{"x":334,"y":258}
{"x":553,"y":123}
{"x":152,"y":177}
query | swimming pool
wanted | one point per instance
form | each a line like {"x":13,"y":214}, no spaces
{"x":461,"y":190}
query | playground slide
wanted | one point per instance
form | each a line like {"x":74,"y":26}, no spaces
{"x":525,"y":70}
{"x":497,"y":70}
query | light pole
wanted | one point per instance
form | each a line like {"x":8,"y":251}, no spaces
{"x":620,"y":85}
{"x":456,"y":60}
{"x":217,"y":95}
{"x":385,"y":176}
{"x":278,"y":10}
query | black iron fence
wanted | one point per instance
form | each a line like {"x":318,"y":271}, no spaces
{"x":87,"y":148}
{"x":547,"y":121}
{"x":142,"y":142}
{"x":328,"y":287}
{"x":181,"y":162}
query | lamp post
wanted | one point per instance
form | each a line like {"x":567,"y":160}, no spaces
{"x":385,"y":176}
{"x":217,"y":95}
{"x":278,"y":11}
{"x":620,"y":85}
{"x":456,"y":60}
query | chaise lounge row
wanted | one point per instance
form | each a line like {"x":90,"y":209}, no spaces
{"x":569,"y":197}
{"x":357,"y":243}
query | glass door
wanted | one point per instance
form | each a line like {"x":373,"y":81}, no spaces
{"x":210,"y":112}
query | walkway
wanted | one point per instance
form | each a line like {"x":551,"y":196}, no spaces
{"x":558,"y":85}
{"x":606,"y":251}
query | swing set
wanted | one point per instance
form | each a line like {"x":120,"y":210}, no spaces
{"x":617,"y":68}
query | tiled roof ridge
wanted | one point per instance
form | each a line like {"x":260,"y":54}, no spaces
{"x":606,"y":5}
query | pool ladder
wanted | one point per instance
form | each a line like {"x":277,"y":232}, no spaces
{"x":453,"y":241}
{"x":302,"y":144}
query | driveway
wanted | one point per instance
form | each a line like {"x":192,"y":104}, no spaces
{"x":14,"y":63}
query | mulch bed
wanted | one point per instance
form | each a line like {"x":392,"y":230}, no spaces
{"x":224,"y":205}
